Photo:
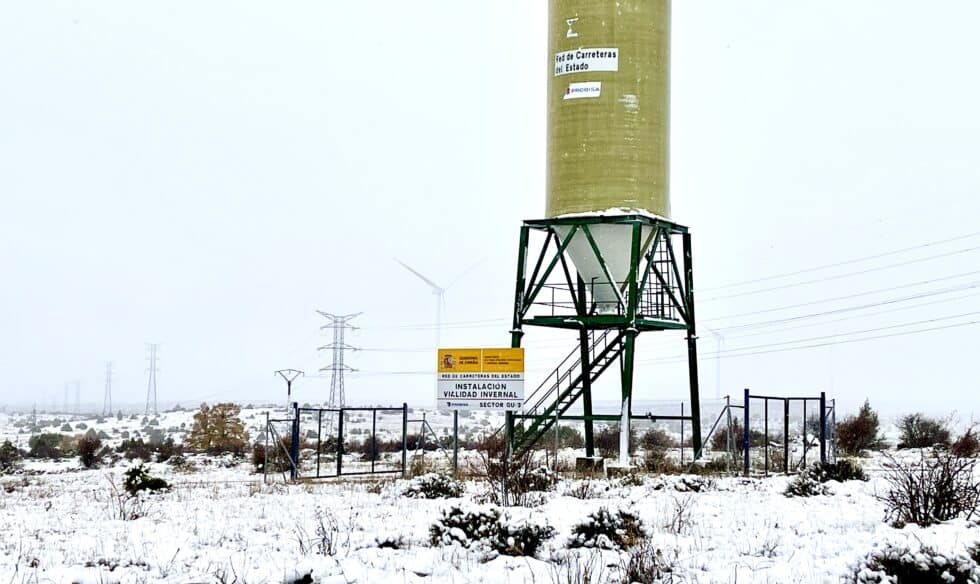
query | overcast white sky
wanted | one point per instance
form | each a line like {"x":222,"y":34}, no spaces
{"x":207,"y":174}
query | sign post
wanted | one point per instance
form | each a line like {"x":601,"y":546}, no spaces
{"x":480,"y":379}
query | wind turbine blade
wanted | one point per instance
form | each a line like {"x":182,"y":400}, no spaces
{"x":465,"y":272}
{"x":434,"y":286}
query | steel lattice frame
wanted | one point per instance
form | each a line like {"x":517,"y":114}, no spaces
{"x":657,"y":295}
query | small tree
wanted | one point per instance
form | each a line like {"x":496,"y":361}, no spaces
{"x":860,"y":432}
{"x":218,"y":429}
{"x":88,"y":448}
{"x":9,"y":457}
{"x":919,"y":431}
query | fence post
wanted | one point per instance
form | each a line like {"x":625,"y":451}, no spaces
{"x":319,"y":439}
{"x":785,"y":436}
{"x":455,"y":442}
{"x":765,"y":429}
{"x":833,"y":425}
{"x":374,"y":437}
{"x":823,"y":427}
{"x":728,"y":433}
{"x":294,"y":444}
{"x":340,"y":441}
{"x":805,"y":443}
{"x":265,"y":456}
{"x":682,"y":433}
{"x":745,"y":434}
{"x":404,"y":440}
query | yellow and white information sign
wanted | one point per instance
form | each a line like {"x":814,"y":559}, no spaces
{"x":480,"y":379}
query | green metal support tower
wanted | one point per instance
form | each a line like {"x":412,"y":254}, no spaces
{"x":643,"y":285}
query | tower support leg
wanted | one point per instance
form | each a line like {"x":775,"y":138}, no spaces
{"x":587,"y":394}
{"x":629,"y":352}
{"x":692,"y":346}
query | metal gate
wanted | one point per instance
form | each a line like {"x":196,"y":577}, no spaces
{"x":340,"y":442}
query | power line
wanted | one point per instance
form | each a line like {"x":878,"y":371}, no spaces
{"x":846,"y":262}
{"x":839,"y":276}
{"x":843,"y":342}
{"x":856,"y":295}
{"x":738,"y":350}
{"x":853,"y":317}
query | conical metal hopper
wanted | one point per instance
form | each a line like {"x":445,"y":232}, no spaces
{"x":605,"y":280}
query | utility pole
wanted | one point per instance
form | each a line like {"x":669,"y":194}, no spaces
{"x":289,"y":375}
{"x":78,"y":397}
{"x":151,"y":380}
{"x":337,"y":368}
{"x":107,"y":399}
{"x":65,"y":405}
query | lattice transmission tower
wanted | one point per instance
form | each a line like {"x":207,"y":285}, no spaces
{"x":151,"y":380}
{"x":337,"y":368}
{"x":107,"y":399}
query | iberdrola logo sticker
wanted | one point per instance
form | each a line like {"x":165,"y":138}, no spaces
{"x":583,"y":89}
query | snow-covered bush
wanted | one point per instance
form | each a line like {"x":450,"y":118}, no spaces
{"x":433,"y":486}
{"x":844,"y":469}
{"x":606,"y":529}
{"x":485,"y":529}
{"x":137,"y":479}
{"x":540,"y":479}
{"x":806,"y":485}
{"x":693,"y":484}
{"x":810,"y":482}
{"x":630,"y":479}
{"x":901,"y":563}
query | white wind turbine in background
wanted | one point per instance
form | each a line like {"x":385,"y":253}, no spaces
{"x":439,"y":292}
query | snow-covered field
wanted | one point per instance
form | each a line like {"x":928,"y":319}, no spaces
{"x":220,"y":523}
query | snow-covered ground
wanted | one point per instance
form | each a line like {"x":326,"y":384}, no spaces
{"x":220,"y":523}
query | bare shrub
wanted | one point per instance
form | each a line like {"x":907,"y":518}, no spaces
{"x":966,"y":445}
{"x":920,"y":431}
{"x":679,"y":517}
{"x":519,"y":473}
{"x":938,"y":487}
{"x":647,"y":563}
{"x":574,"y":568}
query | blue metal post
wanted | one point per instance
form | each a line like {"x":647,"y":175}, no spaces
{"x":745,"y":433}
{"x":294,"y":444}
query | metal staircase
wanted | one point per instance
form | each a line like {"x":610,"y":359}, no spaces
{"x":563,"y":387}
